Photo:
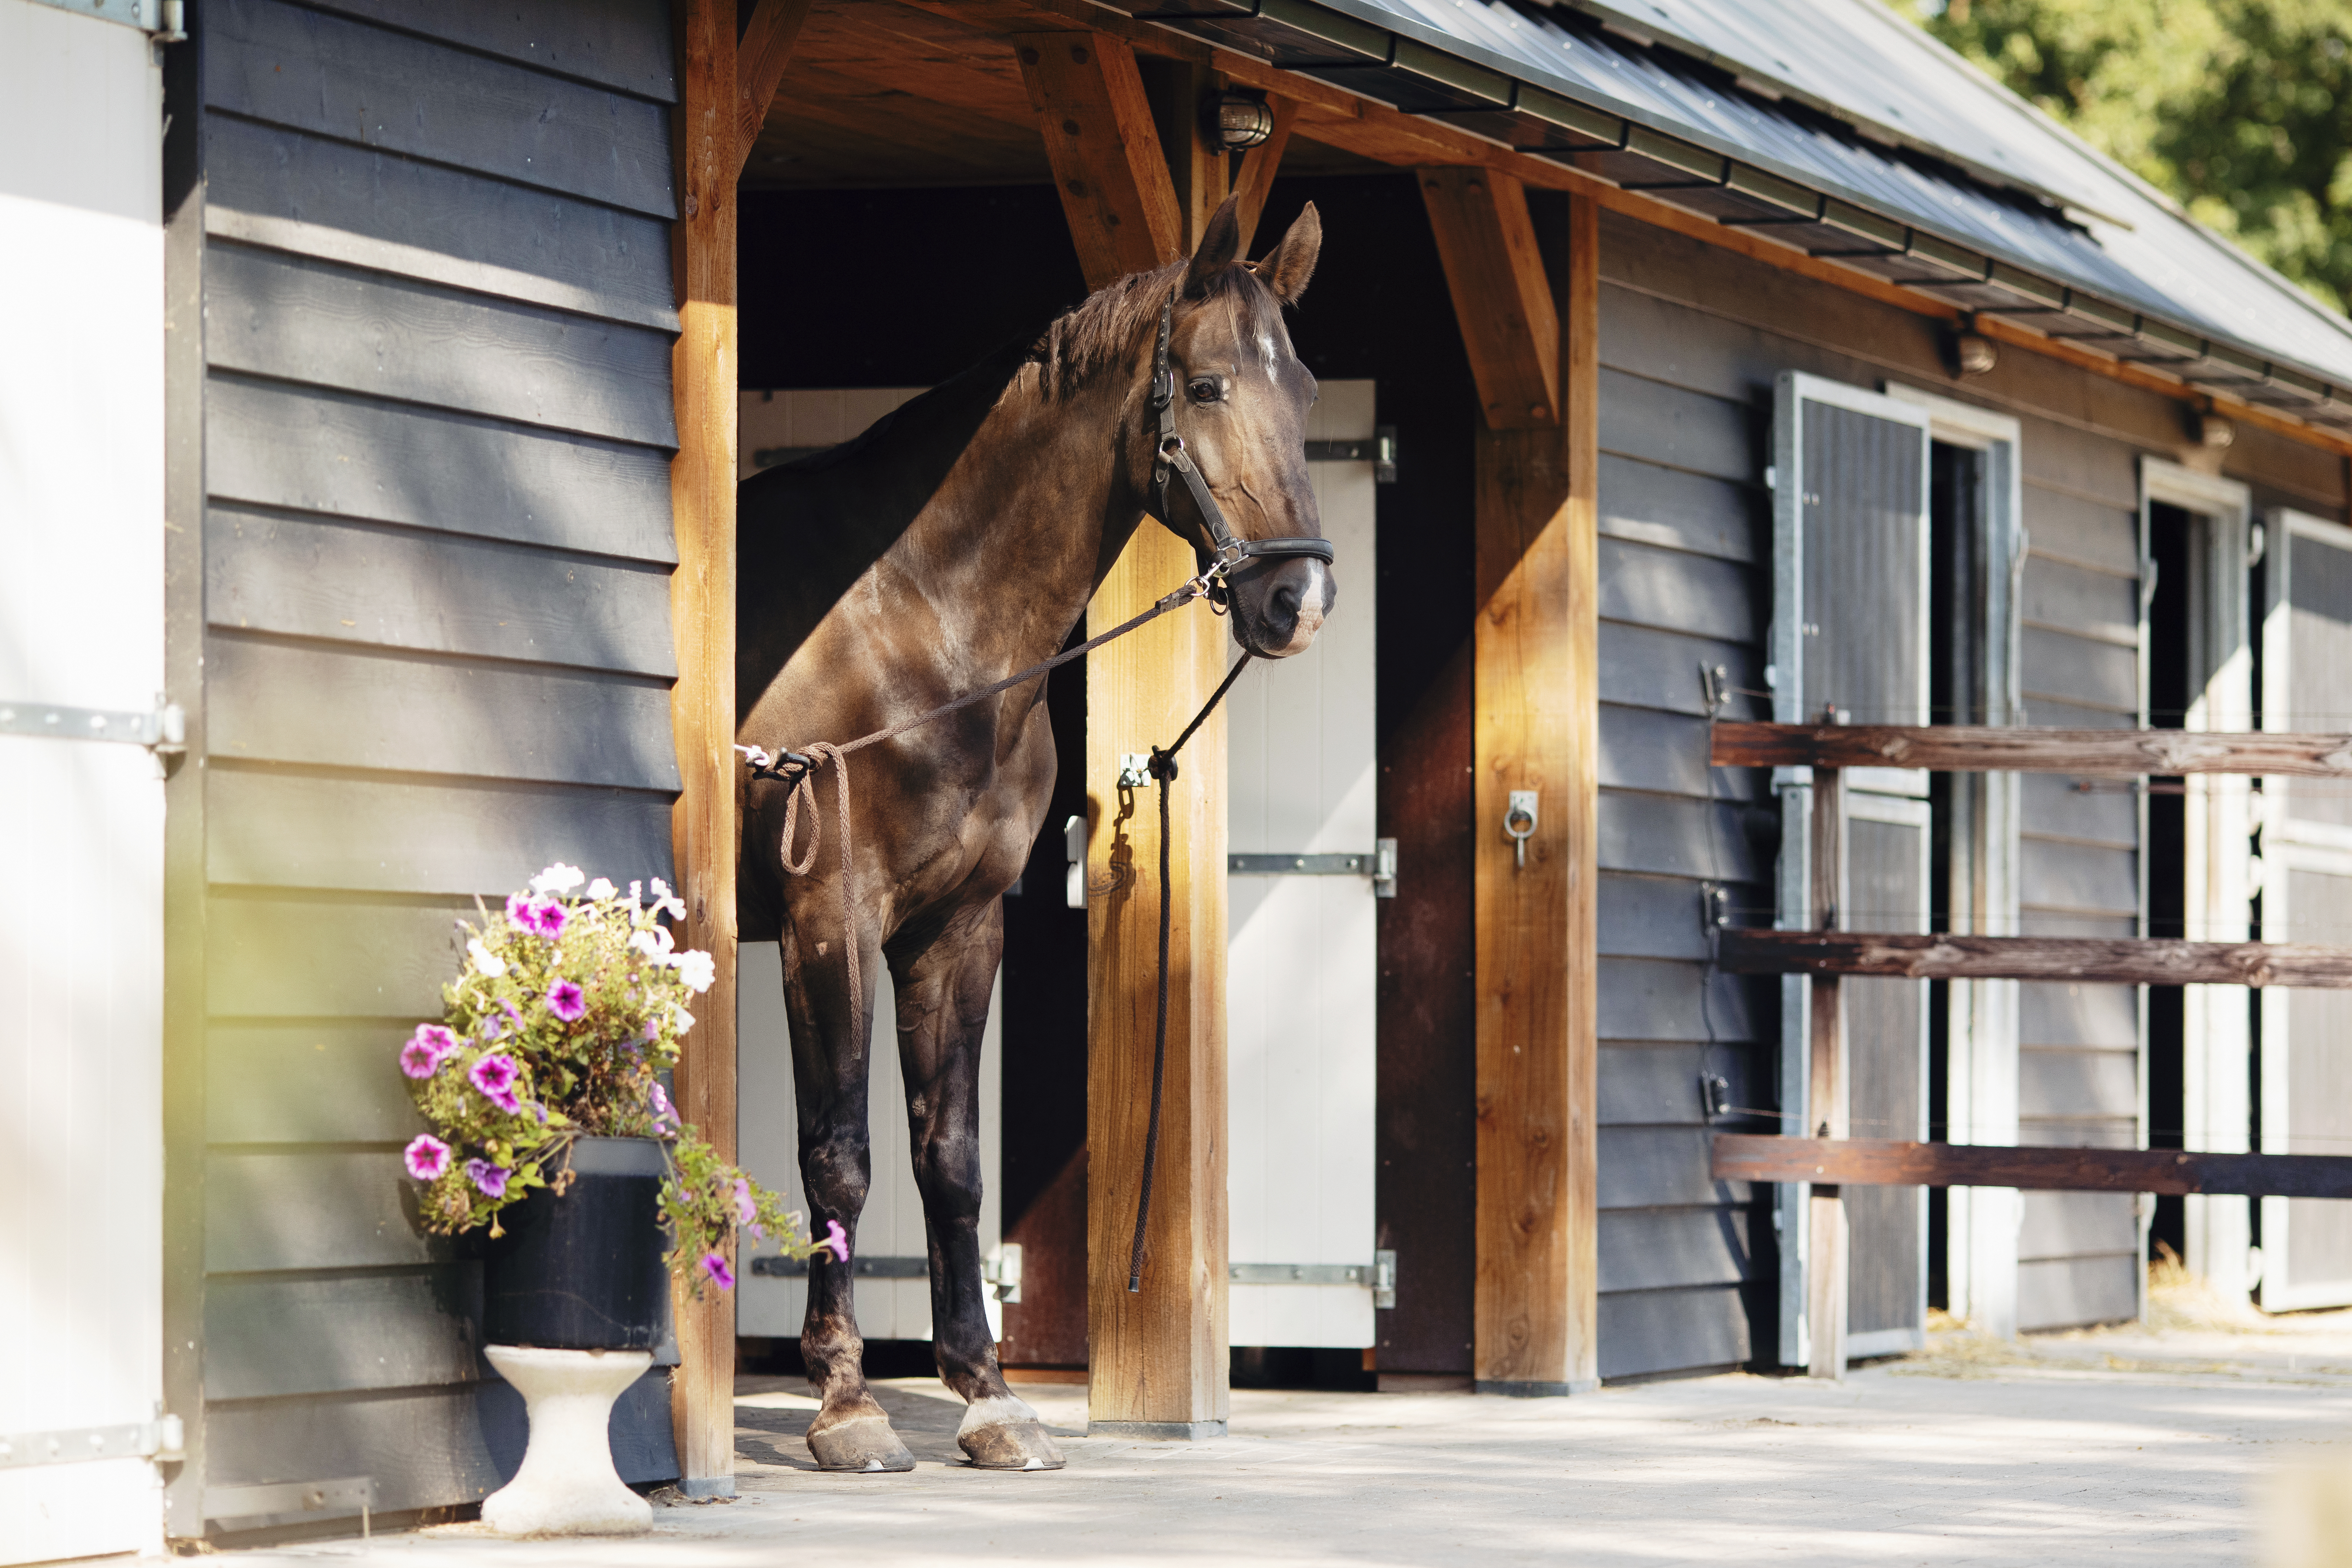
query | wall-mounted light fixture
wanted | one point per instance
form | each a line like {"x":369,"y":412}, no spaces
{"x":1970,"y":353}
{"x":1235,"y":120}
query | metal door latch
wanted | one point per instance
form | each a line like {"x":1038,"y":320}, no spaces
{"x":1520,"y":822}
{"x":1001,"y":1271}
{"x":1073,"y":850}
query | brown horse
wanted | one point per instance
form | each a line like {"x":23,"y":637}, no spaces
{"x":952,"y":545}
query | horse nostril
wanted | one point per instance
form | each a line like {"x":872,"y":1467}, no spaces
{"x":1286,"y":602}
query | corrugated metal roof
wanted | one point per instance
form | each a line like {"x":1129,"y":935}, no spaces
{"x":1836,"y":127}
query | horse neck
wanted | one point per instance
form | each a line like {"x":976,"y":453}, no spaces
{"x":1027,"y":524}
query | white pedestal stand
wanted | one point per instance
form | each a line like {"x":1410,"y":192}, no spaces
{"x":567,"y":1485}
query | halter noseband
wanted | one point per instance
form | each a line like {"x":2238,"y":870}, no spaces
{"x":1224,"y":551}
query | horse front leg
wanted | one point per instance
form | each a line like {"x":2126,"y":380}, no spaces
{"x":943,"y":995}
{"x":830,"y":1072}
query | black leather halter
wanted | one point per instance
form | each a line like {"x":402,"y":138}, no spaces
{"x":1222,"y":552}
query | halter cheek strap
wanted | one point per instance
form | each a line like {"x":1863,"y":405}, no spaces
{"x":1169,"y":458}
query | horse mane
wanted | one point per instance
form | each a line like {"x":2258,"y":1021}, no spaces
{"x":1101,"y":333}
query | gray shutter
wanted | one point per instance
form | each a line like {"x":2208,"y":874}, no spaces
{"x":2306,"y":896}
{"x":1850,"y":641}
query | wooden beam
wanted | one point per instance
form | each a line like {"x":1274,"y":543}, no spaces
{"x":2150,"y":960}
{"x":765,"y":49}
{"x":702,"y":703}
{"x":1969,"y":748}
{"x":1105,"y":149}
{"x":1198,"y":166}
{"x":1158,"y":1362}
{"x":1254,"y":177}
{"x":2167,"y":1173}
{"x":1536,"y":647}
{"x":1486,"y":242}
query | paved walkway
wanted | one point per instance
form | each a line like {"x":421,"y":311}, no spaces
{"x":2124,"y":1446}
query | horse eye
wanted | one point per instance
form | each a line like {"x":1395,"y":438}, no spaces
{"x":1203,"y":390}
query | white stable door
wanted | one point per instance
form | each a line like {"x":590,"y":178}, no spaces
{"x":81,"y":820}
{"x":894,"y":1293}
{"x":1301,"y":775}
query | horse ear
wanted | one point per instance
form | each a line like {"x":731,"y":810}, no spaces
{"x":1287,"y":268}
{"x":1220,"y":243}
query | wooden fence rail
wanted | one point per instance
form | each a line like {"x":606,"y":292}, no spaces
{"x":1879,"y":1163}
{"x":1966,"y":748}
{"x":2142,"y":962}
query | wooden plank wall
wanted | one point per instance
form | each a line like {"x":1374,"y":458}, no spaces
{"x":1691,"y":338}
{"x":437,"y":552}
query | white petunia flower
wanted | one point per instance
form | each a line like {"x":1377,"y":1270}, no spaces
{"x":655,"y":944}
{"x":558,"y":878}
{"x":637,"y":892}
{"x":485,"y":961}
{"x":601,"y":890}
{"x":698,"y":969}
{"x":682,"y":1019}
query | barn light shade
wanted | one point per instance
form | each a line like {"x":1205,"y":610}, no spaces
{"x":1236,"y":120}
{"x":1973,"y":354}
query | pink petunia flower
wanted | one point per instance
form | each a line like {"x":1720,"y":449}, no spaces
{"x":418,"y":1059}
{"x":745,"y":1209}
{"x":491,"y":1179}
{"x":548,"y":918}
{"x":836,"y":1239}
{"x":495,"y":1076}
{"x":715,"y":1266}
{"x":425,"y":1156}
{"x":519,"y":912}
{"x":565,"y":1001}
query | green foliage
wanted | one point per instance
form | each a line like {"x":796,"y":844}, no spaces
{"x":2240,"y":110}
{"x":561,"y":1024}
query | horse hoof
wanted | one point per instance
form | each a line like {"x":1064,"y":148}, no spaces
{"x":864,"y":1443}
{"x":1004,"y":1434}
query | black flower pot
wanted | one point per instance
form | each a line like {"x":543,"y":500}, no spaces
{"x":583,"y":1271}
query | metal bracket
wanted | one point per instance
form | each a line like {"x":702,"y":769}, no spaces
{"x":779,"y":1268}
{"x":291,"y":1503}
{"x":1367,"y":1275}
{"x":1519,"y":823}
{"x":1380,"y":451}
{"x":1001,"y":1271}
{"x":1342,"y":865}
{"x":165,"y":727}
{"x":160,"y":1438}
{"x":1134,"y":770}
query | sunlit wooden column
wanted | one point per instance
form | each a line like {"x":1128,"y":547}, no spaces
{"x":702,"y":704}
{"x":1158,"y":1358}
{"x":1532,"y":342}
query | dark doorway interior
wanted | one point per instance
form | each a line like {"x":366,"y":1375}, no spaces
{"x":2170,"y":679}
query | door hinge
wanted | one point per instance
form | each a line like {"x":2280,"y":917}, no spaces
{"x":163,"y":730}
{"x":162,"y":1438}
{"x":1001,"y":1271}
{"x":1380,"y":451}
{"x":1379,"y":1276}
{"x":1381,"y":865}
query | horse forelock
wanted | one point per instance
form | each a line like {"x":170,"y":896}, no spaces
{"x":1100,"y":335}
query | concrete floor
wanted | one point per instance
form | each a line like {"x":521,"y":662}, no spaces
{"x":2124,"y":1446}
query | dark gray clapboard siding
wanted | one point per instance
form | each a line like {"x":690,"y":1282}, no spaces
{"x":364,"y":710}
{"x":2078,"y":1130}
{"x":307,"y":958}
{"x":1642,"y":667}
{"x":1684,"y":511}
{"x":1642,"y":748}
{"x":2061,"y":596}
{"x":273,"y":1335}
{"x":2052,"y":1225}
{"x":2101,"y":1079}
{"x":295,"y":830}
{"x":1679,"y":837}
{"x":1675,"y":428}
{"x":311,"y":1209}
{"x":1658,"y":1085}
{"x":308,"y":1083}
{"x":2107,"y":812}
{"x":2080,"y":670}
{"x":1651,"y":1250}
{"x":425,"y":1447}
{"x":616,"y":43}
{"x":2083,"y":464}
{"x":1661,"y":1167}
{"x":1667,"y":917}
{"x":336,"y":77}
{"x":307,"y":450}
{"x":2051,"y":1013}
{"x":1676,"y":589}
{"x":1648,"y":999}
{"x":371,"y":208}
{"x":295,"y":318}
{"x":2083,"y":877}
{"x":2068,"y":1292}
{"x":1673,"y":1331}
{"x":397,"y":587}
{"x":2065,"y":529}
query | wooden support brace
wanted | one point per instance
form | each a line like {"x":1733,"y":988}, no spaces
{"x":765,"y":50}
{"x":1969,"y":748}
{"x":2125,"y":961}
{"x":1536,"y":647}
{"x":1104,"y":150}
{"x":1254,"y":177}
{"x":2166,"y":1173}
{"x":702,"y":703}
{"x":1510,"y":326}
{"x":1826,"y":1094}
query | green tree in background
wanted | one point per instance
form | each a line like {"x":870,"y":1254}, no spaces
{"x":2240,"y":110}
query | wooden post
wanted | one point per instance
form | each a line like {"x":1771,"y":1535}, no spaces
{"x":1158,"y":1359}
{"x":1536,"y":644}
{"x":702,"y":704}
{"x":765,"y":49}
{"x":1826,"y":1092}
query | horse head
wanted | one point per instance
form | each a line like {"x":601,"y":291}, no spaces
{"x":1240,"y":397}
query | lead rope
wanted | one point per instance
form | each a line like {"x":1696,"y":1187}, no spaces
{"x":1164,"y":768}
